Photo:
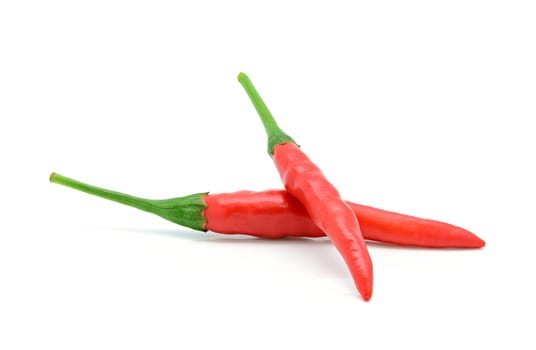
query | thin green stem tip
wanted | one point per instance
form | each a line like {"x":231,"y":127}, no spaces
{"x":276,"y":136}
{"x":185,"y":211}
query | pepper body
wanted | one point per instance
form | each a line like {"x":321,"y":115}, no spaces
{"x":266,"y":214}
{"x":305,"y":181}
{"x":276,"y":214}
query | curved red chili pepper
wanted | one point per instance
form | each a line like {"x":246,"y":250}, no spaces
{"x":277,"y":214}
{"x":305,"y":181}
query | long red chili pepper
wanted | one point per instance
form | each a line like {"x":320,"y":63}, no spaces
{"x":305,"y":181}
{"x":276,"y":214}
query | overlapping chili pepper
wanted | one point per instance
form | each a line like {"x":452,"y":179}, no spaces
{"x":310,"y":207}
{"x":305,"y":181}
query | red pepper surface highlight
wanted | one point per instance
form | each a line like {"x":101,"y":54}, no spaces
{"x":277,"y":214}
{"x":305,"y":181}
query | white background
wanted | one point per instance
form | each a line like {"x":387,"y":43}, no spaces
{"x":420,"y":107}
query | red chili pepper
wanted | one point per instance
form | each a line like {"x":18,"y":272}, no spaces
{"x":305,"y":181}
{"x":277,"y":214}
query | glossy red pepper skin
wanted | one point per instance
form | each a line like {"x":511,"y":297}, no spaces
{"x":266,"y":214}
{"x":305,"y":181}
{"x":276,"y":214}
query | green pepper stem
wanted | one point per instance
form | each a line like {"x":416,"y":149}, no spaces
{"x":276,"y":136}
{"x":185,"y":211}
